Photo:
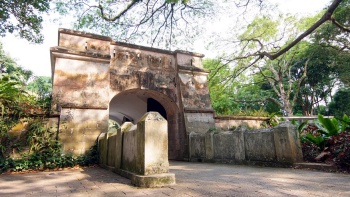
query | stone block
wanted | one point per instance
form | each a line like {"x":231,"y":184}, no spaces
{"x":287,"y":143}
{"x":259,"y":145}
{"x":152,"y":144}
{"x":224,"y":146}
{"x":119,"y":143}
{"x":84,"y":83}
{"x":209,"y":146}
{"x":129,"y":160}
{"x":239,"y":145}
{"x":199,"y":122}
{"x":76,"y":126}
{"x":102,"y":148}
{"x":197,"y":146}
{"x":112,"y":147}
{"x":155,"y":180}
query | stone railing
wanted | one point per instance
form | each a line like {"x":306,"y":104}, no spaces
{"x":279,"y":146}
{"x":138,"y":152}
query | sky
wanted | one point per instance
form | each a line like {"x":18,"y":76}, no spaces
{"x":36,"y":57}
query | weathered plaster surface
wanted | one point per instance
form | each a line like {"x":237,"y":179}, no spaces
{"x":84,"y":41}
{"x":80,"y":83}
{"x":79,"y":128}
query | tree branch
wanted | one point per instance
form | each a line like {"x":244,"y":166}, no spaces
{"x":340,"y":26}
{"x":327,"y":16}
{"x":299,"y":82}
{"x":128,"y":7}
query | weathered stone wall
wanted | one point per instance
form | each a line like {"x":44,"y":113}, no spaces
{"x":80,"y":84}
{"x":277,"y":146}
{"x":79,"y":128}
{"x":229,"y":122}
{"x":199,"y":122}
{"x":195,"y":97}
{"x":133,"y":67}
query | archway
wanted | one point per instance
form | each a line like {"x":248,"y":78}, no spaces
{"x":131,"y":105}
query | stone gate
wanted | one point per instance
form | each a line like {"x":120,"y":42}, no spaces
{"x":96,"y":79}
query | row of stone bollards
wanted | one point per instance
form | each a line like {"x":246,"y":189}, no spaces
{"x":138,"y":152}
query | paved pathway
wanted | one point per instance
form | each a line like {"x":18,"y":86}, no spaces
{"x":193,"y":179}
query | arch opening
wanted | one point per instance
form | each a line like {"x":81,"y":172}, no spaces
{"x":131,"y":105}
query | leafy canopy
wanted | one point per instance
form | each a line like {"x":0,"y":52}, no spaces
{"x":23,"y":18}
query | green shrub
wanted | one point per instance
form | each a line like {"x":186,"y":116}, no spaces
{"x":323,"y":129}
{"x":339,"y":147}
{"x":45,"y":152}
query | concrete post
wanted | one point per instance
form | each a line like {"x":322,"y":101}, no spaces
{"x":287,"y":143}
{"x":209,"y":146}
{"x":111,"y":146}
{"x":152,"y":144}
{"x":119,"y":143}
{"x":102,"y":148}
{"x":239,"y":150}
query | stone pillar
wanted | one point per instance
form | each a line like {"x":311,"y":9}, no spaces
{"x":238,"y":140}
{"x":102,"y":149}
{"x":209,"y":146}
{"x":111,"y":145}
{"x":197,"y":146}
{"x":287,"y":143}
{"x":152,"y":144}
{"x":152,"y":152}
{"x":119,"y":143}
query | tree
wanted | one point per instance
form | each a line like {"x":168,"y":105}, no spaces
{"x":250,"y":48}
{"x":15,"y":102}
{"x":336,"y":34}
{"x":283,"y":83}
{"x":322,"y":76}
{"x":244,"y":96}
{"x":340,"y":104}
{"x":220,"y":93}
{"x":23,"y":18}
{"x":159,"y":22}
{"x":42,"y":88}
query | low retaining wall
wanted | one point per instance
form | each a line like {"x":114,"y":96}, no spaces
{"x":229,"y":122}
{"x":138,"y":152}
{"x":278,"y":146}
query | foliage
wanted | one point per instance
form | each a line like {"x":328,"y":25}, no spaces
{"x":41,"y":87}
{"x":256,"y":113}
{"x":48,"y":158}
{"x":331,"y":35}
{"x":234,"y":97}
{"x":273,"y":121}
{"x":15,"y":102}
{"x":320,"y":78}
{"x":45,"y":152}
{"x":310,"y":151}
{"x":22,"y":17}
{"x":261,"y":45}
{"x":214,"y":130}
{"x":329,"y":137}
{"x":327,"y":126}
{"x":159,"y":23}
{"x":323,"y":129}
{"x":340,"y":149}
{"x":340,"y":104}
